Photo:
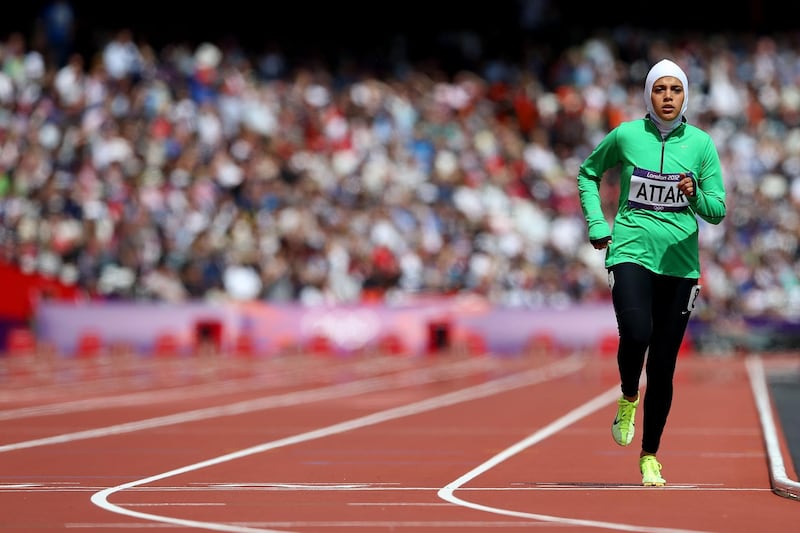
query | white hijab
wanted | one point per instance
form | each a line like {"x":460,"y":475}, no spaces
{"x":665,"y":67}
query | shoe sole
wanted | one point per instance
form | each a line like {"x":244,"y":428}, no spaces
{"x":622,"y":442}
{"x":654,"y":484}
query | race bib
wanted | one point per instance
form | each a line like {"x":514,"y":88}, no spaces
{"x":656,"y":191}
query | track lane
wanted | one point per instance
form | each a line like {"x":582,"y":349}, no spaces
{"x":387,"y":475}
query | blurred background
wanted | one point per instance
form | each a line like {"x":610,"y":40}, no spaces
{"x":409,"y":169}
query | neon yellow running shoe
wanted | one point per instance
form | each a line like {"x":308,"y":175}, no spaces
{"x":622,"y":429}
{"x":651,"y":471}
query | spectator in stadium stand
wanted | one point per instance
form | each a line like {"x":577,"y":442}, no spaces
{"x":474,"y":175}
{"x":670,"y":174}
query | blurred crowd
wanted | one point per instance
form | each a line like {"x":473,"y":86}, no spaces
{"x":213,"y":172}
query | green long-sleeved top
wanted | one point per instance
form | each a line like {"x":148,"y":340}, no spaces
{"x":655,"y":225}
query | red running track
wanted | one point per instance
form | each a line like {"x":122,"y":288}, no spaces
{"x":371,"y":443}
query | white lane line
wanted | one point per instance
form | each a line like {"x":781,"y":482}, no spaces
{"x":447,"y":492}
{"x":504,"y":384}
{"x":286,"y":377}
{"x":145,"y":397}
{"x":301,"y":486}
{"x":232,"y":487}
{"x":350,"y":525}
{"x":403,"y":379}
{"x":781,"y":483}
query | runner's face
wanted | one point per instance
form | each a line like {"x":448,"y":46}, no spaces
{"x":667,"y":97}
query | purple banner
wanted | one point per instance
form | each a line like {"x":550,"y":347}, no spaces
{"x":416,"y":327}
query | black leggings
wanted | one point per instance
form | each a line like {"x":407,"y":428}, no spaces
{"x":652,"y":313}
